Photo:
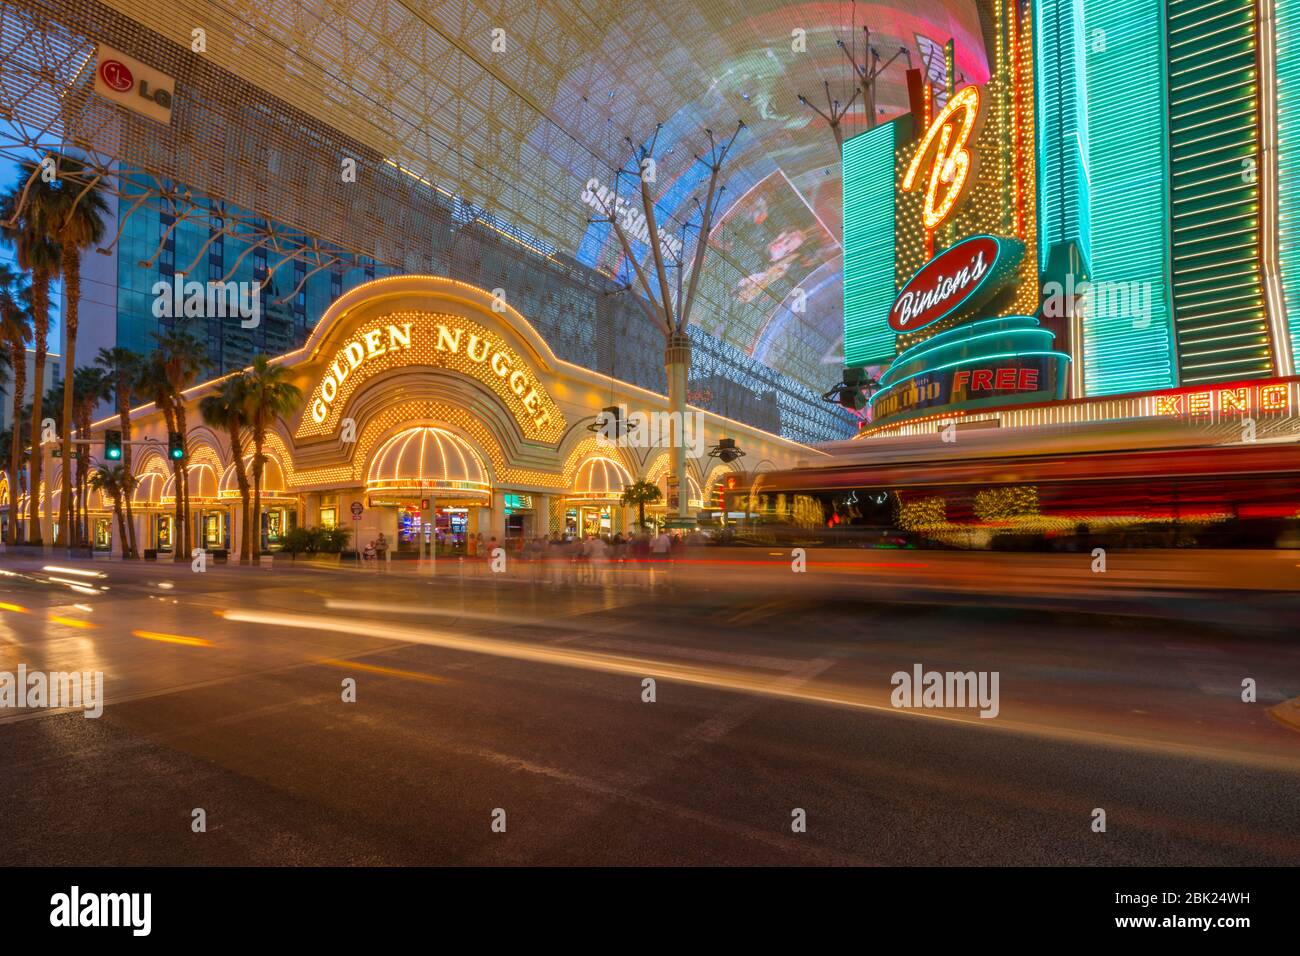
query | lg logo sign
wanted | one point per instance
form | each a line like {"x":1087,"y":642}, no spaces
{"x":116,"y":75}
{"x":134,"y":85}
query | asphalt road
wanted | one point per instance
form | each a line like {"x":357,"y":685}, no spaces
{"x":478,"y":693}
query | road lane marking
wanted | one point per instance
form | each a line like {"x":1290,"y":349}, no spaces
{"x":173,"y":639}
{"x":737,"y":681}
{"x":72,"y":622}
{"x":385,"y":671}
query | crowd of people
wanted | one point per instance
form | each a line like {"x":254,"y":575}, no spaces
{"x":566,"y":557}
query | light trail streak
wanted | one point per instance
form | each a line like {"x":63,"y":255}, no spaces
{"x":74,"y":571}
{"x":718,"y":678}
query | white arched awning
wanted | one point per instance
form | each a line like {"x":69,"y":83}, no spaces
{"x":203,"y":485}
{"x":599,"y":480}
{"x":274,"y":487}
{"x":428,"y":461}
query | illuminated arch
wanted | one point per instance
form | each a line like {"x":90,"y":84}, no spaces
{"x":431,"y":321}
{"x":203,"y":484}
{"x":426,"y":460}
{"x":586,"y":448}
{"x":274,"y":489}
{"x":147,"y":494}
{"x":599,"y":480}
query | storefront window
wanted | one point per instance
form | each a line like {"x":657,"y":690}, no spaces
{"x":329,"y":511}
{"x":276,"y":522}
{"x":103,"y":535}
{"x":589,"y":521}
{"x":214,"y":532}
{"x":163,"y":535}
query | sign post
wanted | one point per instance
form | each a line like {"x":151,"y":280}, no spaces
{"x":357,"y":512}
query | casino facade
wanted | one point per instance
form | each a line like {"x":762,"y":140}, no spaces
{"x":1104,"y":230}
{"x":429,"y":404}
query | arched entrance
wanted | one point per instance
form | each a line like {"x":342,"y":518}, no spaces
{"x":279,"y":507}
{"x":594,"y":506}
{"x":430,"y":489}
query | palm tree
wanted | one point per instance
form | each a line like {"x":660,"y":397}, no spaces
{"x":641,"y":493}
{"x":25,"y":225}
{"x":172,"y":368}
{"x":91,"y":386}
{"x":112,"y":480}
{"x":76,"y":219}
{"x":269,"y":395}
{"x":122,"y":366}
{"x":15,"y":333}
{"x":225,"y":409}
{"x":152,"y":382}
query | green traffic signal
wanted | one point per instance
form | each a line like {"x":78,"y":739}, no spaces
{"x":112,"y":445}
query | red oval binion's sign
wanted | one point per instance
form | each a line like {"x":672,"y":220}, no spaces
{"x":944,"y":283}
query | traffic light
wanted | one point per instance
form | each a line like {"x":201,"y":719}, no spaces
{"x":175,"y":446}
{"x":112,"y":446}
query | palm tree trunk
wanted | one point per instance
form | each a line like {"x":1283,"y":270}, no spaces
{"x":18,"y":358}
{"x":129,"y":544}
{"x":121,"y":523}
{"x":41,"y":311}
{"x":241,"y":478}
{"x":72,"y":288}
{"x":258,"y":438}
{"x":184,"y":486}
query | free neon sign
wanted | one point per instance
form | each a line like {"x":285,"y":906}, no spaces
{"x":954,"y":157}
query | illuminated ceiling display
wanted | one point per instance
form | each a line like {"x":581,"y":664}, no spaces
{"x":409,"y":339}
{"x":514,"y":138}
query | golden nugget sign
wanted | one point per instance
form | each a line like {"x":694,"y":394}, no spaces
{"x":370,"y":344}
{"x":408,"y":339}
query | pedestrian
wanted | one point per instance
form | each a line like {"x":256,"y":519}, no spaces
{"x":597,"y":556}
{"x":368,"y":555}
{"x":381,"y":551}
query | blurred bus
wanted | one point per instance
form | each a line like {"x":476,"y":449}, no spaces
{"x":1120,"y":484}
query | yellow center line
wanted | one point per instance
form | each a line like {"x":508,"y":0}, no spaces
{"x":173,"y":639}
{"x":73,"y":622}
{"x":13,"y":607}
{"x":379,"y":669}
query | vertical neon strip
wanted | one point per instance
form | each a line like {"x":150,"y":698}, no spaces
{"x":1062,"y":127}
{"x":869,"y":224}
{"x":1278,"y":332}
{"x":1214,"y":190}
{"x":1128,"y":163}
{"x":1287,"y":31}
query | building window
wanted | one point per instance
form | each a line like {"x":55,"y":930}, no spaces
{"x":329,"y":511}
